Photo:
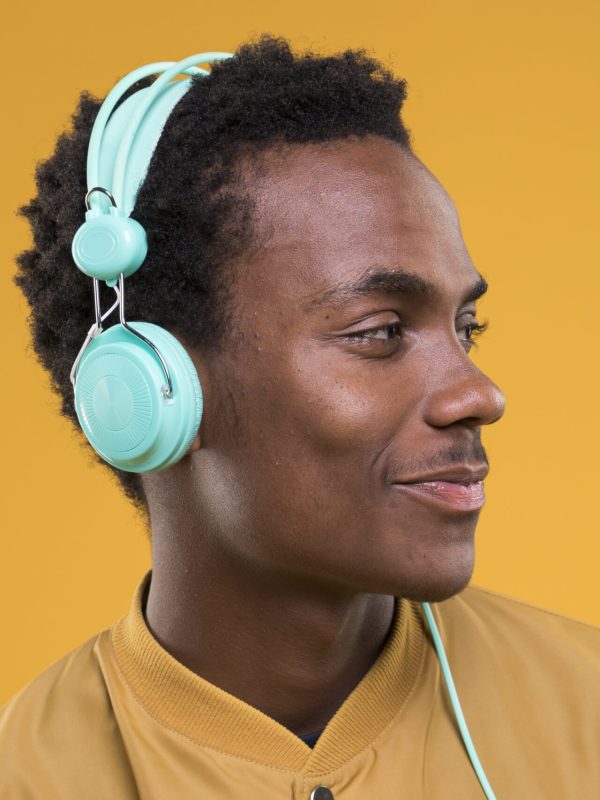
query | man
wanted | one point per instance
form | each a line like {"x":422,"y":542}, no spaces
{"x":315,"y":271}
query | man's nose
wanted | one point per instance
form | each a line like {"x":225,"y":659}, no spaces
{"x":462,"y":393}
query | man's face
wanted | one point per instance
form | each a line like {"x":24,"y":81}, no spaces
{"x":344,"y":379}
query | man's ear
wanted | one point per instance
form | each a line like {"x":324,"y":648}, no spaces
{"x":196,"y":445}
{"x":203,"y":378}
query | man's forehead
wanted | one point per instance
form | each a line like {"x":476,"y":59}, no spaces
{"x":365,"y":194}
{"x":351,"y":176}
{"x":361,"y":222}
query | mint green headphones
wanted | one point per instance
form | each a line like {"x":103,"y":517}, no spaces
{"x":137,"y":393}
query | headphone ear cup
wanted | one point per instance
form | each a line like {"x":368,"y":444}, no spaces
{"x":120,"y":403}
{"x":107,"y":245}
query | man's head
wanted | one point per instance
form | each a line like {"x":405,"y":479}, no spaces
{"x":284,"y":208}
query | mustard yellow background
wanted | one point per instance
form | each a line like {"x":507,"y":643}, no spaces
{"x":504,"y":108}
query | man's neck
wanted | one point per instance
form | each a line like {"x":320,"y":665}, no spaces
{"x":292,"y":649}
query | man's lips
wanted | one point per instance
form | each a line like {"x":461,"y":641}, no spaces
{"x":456,"y":489}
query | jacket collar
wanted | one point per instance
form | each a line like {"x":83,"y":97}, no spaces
{"x":212,"y":717}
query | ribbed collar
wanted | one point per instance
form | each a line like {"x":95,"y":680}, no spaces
{"x":212,"y":717}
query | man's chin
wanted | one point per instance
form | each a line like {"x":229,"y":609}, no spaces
{"x":435,"y":588}
{"x":437,"y":576}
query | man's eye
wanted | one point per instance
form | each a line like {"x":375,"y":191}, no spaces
{"x":384,"y":333}
{"x":472,"y":330}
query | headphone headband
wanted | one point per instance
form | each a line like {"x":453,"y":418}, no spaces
{"x":168,"y":70}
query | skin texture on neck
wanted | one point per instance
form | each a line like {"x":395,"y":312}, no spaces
{"x":293,"y":653}
{"x":281,"y":540}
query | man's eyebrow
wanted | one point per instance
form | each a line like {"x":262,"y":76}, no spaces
{"x":392,"y":281}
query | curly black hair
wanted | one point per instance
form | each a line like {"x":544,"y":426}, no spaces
{"x":192,"y":203}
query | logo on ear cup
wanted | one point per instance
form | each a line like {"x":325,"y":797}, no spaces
{"x":114,"y":403}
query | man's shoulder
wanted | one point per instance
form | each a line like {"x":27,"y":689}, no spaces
{"x":507,"y":607}
{"x":59,"y":735}
{"x":513,"y":626}
{"x":74,"y":677}
{"x":67,"y":701}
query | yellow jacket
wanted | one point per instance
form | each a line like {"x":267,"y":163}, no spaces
{"x":119,"y":718}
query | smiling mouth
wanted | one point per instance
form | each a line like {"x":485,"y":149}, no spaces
{"x":446,"y":495}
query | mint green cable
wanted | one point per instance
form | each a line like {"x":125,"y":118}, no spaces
{"x":159,"y":84}
{"x":464,"y":731}
{"x":111,"y":100}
